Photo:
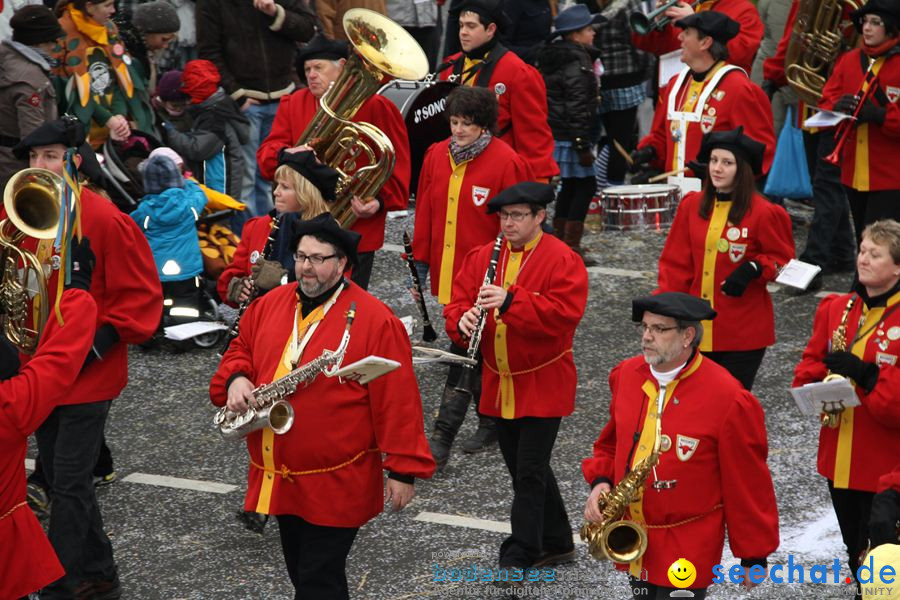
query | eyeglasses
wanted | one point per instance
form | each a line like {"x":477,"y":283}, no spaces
{"x":655,"y":330}
{"x":873,"y":20}
{"x":316,"y":259}
{"x":518,"y":217}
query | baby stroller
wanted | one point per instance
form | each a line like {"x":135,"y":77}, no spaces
{"x":120,"y":161}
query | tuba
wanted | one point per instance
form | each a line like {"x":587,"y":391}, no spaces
{"x":815,"y":43}
{"x":361,"y":153}
{"x":32,"y":199}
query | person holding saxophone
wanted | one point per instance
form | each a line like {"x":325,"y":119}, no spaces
{"x":322,"y":478}
{"x":683,"y":480}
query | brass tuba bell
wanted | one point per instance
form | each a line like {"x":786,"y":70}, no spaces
{"x":32,"y":199}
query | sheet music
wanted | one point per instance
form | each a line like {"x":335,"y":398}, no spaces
{"x":826,"y":118}
{"x":669,"y":66}
{"x":367,"y":369}
{"x":814,"y":398}
{"x":797,"y":274}
{"x":187,"y":331}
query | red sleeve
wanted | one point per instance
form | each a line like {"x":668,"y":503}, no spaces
{"x":836,"y":87}
{"x":882,"y":400}
{"x":890,"y":481}
{"x":776,"y":240}
{"x":395,"y":193}
{"x":421,"y":244}
{"x":891,"y":125}
{"x":742,"y":49}
{"x":811,"y":368}
{"x":773,"y":67}
{"x":28,"y":398}
{"x":751,"y":514}
{"x":676,"y":262}
{"x":657,"y":42}
{"x":531,"y":135}
{"x":279,"y":137}
{"x":602,"y":462}
{"x":237,"y":358}
{"x":465,"y":287}
{"x":659,"y":129}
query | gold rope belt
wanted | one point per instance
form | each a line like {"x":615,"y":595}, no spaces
{"x":13,"y":509}
{"x":523,"y":372}
{"x":289,"y":475}
{"x":686,"y":521}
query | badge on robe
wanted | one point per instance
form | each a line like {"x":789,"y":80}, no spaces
{"x":34,"y":100}
{"x":685,"y":447}
{"x":500,"y":88}
{"x":736,"y":252}
{"x":479,"y":195}
{"x":718,"y":95}
{"x":254,"y":256}
{"x":707,"y":122}
{"x":665,"y":443}
{"x":882,"y":359}
{"x":893,"y":333}
{"x":733,"y":234}
{"x":892,"y":93}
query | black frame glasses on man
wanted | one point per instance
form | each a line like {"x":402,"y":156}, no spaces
{"x":654,"y":330}
{"x":315,"y":260}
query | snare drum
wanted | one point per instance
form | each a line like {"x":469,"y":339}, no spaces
{"x":639,"y":207}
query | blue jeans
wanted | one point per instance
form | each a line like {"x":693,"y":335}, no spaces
{"x":257,"y":192}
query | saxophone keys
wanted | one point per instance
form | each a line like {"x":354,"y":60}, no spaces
{"x":665,"y":484}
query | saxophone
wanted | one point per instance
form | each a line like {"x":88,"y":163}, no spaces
{"x":832,"y":416}
{"x":614,"y":537}
{"x":274,"y":410}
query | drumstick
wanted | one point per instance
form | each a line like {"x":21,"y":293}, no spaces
{"x":623,"y":152}
{"x":663,"y":176}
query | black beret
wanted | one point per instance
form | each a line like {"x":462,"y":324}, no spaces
{"x":321,"y":47}
{"x":67,"y":131}
{"x":326,"y":228}
{"x":35,"y":24}
{"x":526,"y":192}
{"x":888,"y":10}
{"x":743,"y":147}
{"x":718,"y":26}
{"x":320,"y":175}
{"x":677,"y":305}
{"x":490,"y":10}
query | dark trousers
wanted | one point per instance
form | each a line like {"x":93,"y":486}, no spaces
{"x":852,"y":508}
{"x":69,"y":442}
{"x":363,"y":270}
{"x":742,"y":364}
{"x":619,"y":126}
{"x":868,"y":207}
{"x":316,"y":558}
{"x":103,"y":467}
{"x":649,"y":591}
{"x":538,"y":516}
{"x":574,"y":198}
{"x":830,"y":237}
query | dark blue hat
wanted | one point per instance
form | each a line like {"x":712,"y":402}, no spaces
{"x":716,"y":25}
{"x":677,"y":305}
{"x":320,"y":175}
{"x":526,"y":192}
{"x":742,"y":146}
{"x":327,"y":229}
{"x":574,"y":18}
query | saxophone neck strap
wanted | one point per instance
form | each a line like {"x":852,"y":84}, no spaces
{"x":309,"y":324}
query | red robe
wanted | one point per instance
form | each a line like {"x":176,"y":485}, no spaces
{"x":717,"y":454}
{"x":126,"y":289}
{"x":531,"y":343}
{"x":763,"y":235}
{"x":253,"y":240}
{"x":27,"y":560}
{"x":890,"y":481}
{"x":735,"y":101}
{"x":441,"y":240}
{"x":522,"y":119}
{"x":864,"y":445}
{"x":868,"y":158}
{"x":340,"y":426}
{"x":741,"y":49}
{"x":296,"y":111}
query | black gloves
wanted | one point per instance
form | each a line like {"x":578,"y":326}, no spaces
{"x":871,"y":113}
{"x":585,"y":154}
{"x":645,"y":176}
{"x":641,"y":157}
{"x":865,"y":374}
{"x":82,"y":264}
{"x":883,"y":517}
{"x":846,"y":104}
{"x":698,"y":168}
{"x":736,"y":283}
{"x":770,"y":87}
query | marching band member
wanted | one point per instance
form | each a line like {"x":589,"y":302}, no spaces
{"x":458,"y":178}
{"x":742,"y":48}
{"x":712,"y":468}
{"x":533,"y":305}
{"x":863,"y":446}
{"x":708,"y":95}
{"x":323,"y":477}
{"x":322,"y":61}
{"x":520,"y":89}
{"x":27,"y":560}
{"x":870,"y":72}
{"x":127,"y":291}
{"x":302,"y":187}
{"x":885,"y":513}
{"x":725,"y":244}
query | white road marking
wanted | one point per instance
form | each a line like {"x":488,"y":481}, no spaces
{"x":180,"y":484}
{"x":471,"y":523}
{"x":393,"y":248}
{"x":621,"y":272}
{"x":825,"y":293}
{"x":29,"y":464}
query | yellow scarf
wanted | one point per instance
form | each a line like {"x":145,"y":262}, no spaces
{"x":88,"y":26}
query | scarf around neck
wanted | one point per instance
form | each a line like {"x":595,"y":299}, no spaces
{"x":467,"y":153}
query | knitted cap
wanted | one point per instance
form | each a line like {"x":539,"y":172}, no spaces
{"x":156,"y":17}
{"x":160,"y":174}
{"x":169,"y":87}
{"x":35,"y":24}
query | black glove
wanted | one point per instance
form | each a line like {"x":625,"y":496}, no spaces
{"x":865,"y":374}
{"x":641,"y":157}
{"x":871,"y":113}
{"x":846,"y":104}
{"x":736,"y":283}
{"x":883,"y":517}
{"x":698,"y":168}
{"x":82,"y":264}
{"x":585,"y":155}
{"x":770,"y":87}
{"x":645,"y":176}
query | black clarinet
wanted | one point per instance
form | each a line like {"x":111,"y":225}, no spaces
{"x":428,"y":333}
{"x":254,"y":291}
{"x":464,"y":384}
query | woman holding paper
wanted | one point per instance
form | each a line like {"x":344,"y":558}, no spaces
{"x":726,"y":243}
{"x":864,"y":443}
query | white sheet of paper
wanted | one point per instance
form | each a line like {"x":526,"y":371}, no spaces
{"x":826,"y":118}
{"x":187,"y":331}
{"x":813,"y":398}
{"x":669,"y":66}
{"x":367,"y":369}
{"x":408,"y":324}
{"x":797,"y":274}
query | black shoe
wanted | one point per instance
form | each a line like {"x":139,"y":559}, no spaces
{"x":551,"y":558}
{"x":814,"y":286}
{"x":450,"y":417}
{"x":99,"y":589}
{"x":100,"y":480}
{"x":440,"y":450}
{"x":254,"y":521}
{"x":483,"y":438}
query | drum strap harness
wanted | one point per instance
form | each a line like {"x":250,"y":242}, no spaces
{"x":482,"y":72}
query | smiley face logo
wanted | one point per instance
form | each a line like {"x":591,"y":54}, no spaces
{"x":682,"y":573}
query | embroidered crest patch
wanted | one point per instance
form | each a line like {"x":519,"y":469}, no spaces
{"x":892,"y":93}
{"x":736,"y":252}
{"x":480,"y":194}
{"x":707,"y":122}
{"x":685,"y":447}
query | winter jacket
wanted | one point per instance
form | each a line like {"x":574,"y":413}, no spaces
{"x":168,"y":220}
{"x":572,"y":94}
{"x":531,"y":22}
{"x":413,"y":13}
{"x":212,"y":148}
{"x":623,"y":64}
{"x":253,"y":52}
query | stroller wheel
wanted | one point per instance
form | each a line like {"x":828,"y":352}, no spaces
{"x":213,"y":338}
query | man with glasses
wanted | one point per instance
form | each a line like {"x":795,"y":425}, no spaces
{"x":534,"y":303}
{"x":323,"y":477}
{"x":712,"y":453}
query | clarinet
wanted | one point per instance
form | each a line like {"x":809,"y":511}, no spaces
{"x":254,"y":291}
{"x":428,"y":333}
{"x":465,"y":382}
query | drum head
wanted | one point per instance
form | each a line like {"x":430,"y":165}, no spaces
{"x":646,"y":189}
